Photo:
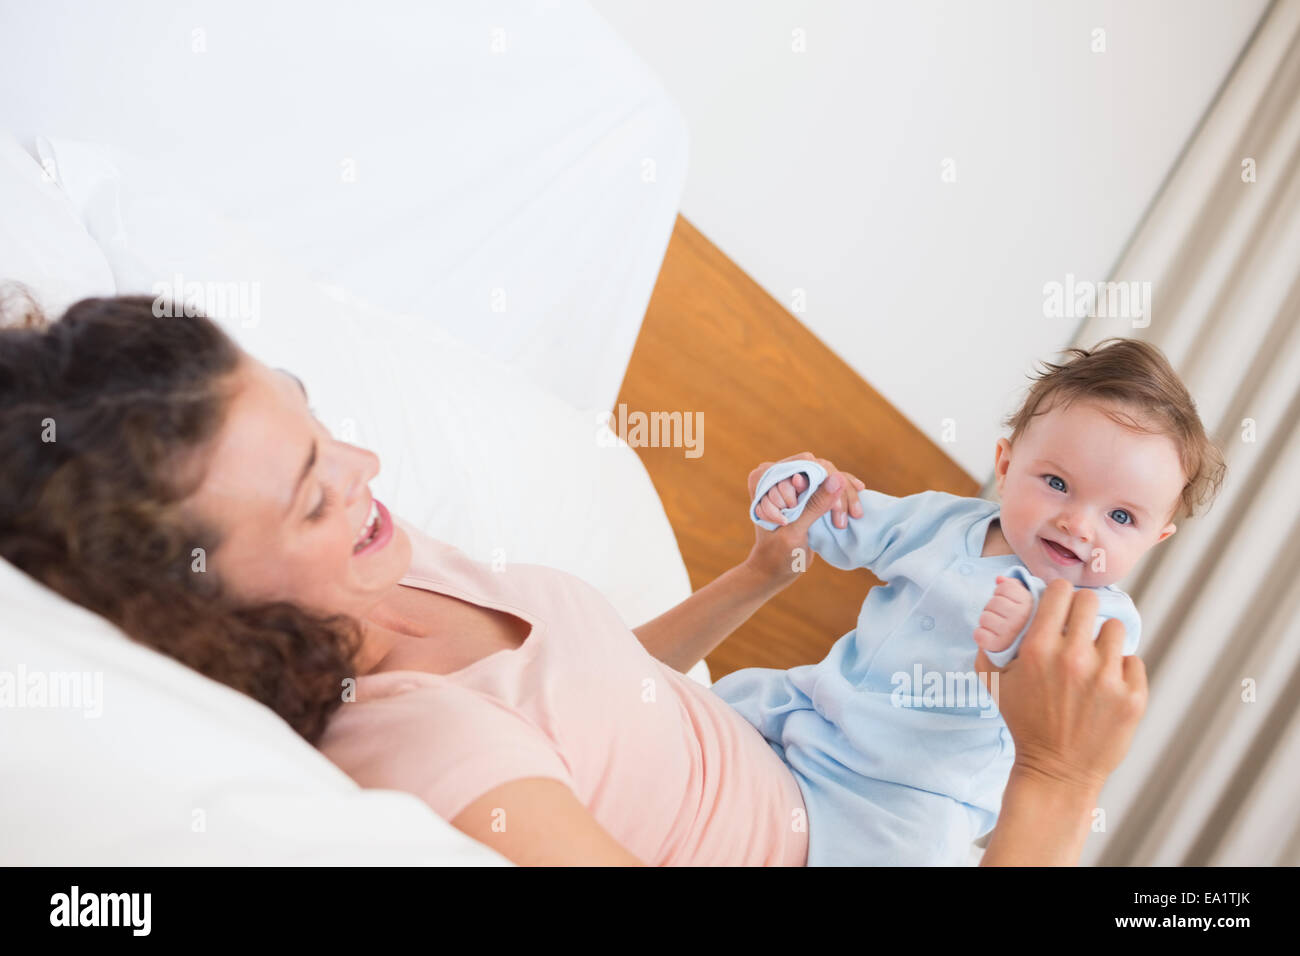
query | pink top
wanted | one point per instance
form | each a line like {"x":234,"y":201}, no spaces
{"x":663,"y":764}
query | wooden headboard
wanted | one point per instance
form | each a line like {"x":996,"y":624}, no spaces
{"x":714,"y":342}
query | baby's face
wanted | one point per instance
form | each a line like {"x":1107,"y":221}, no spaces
{"x":1083,"y":497}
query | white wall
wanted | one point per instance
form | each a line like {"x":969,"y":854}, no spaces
{"x":821,"y":170}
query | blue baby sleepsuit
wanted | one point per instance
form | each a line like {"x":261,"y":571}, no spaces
{"x":900,"y":753}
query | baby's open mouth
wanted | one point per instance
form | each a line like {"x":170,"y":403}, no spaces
{"x":1059,"y":553}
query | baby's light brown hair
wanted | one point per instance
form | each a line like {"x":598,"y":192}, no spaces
{"x":1133,"y":383}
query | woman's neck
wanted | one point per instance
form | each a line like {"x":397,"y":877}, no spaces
{"x":383,"y":628}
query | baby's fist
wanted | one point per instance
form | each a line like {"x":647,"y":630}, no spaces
{"x":1004,"y":616}
{"x":784,"y":494}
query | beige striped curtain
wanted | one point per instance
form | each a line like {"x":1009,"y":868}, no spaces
{"x":1213,"y":776}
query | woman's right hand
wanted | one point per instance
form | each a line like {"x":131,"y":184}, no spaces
{"x":1072,"y":705}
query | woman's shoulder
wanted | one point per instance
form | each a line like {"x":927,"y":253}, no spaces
{"x":445,"y":742}
{"x":443,"y":563}
{"x":447,"y":567}
{"x":430,"y":557}
{"x":419,"y":708}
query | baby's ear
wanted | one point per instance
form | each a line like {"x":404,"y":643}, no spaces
{"x":1001,"y":461}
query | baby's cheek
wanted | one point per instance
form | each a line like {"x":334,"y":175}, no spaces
{"x":1014,"y":526}
{"x":1108,"y":563}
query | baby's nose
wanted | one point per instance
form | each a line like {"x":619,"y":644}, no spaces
{"x":1076,"y":526}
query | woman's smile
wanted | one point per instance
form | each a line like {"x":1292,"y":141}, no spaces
{"x":376,"y":533}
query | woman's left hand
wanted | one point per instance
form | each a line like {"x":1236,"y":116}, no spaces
{"x":776,"y":553}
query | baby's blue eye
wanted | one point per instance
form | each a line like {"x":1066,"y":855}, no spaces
{"x":1121,"y":516}
{"x":1056,"y":483}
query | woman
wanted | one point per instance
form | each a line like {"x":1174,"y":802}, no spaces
{"x":164,"y":479}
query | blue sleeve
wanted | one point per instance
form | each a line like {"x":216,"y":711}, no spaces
{"x":1111,"y":603}
{"x":888,"y":525}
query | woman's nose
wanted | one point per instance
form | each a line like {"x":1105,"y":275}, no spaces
{"x":363,"y":465}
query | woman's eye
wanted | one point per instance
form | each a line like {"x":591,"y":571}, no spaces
{"x":319,"y":511}
{"x":1121,"y":516}
{"x":1056,"y":483}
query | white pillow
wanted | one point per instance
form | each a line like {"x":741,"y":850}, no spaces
{"x":471,"y":452}
{"x":43,"y":244}
{"x":146,"y":762}
{"x":515,"y":156}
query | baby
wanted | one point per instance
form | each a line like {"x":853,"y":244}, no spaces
{"x":899,"y":752}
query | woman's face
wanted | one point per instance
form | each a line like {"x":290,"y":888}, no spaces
{"x":291,"y":501}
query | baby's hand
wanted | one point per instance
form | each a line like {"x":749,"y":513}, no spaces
{"x":1005,"y":615}
{"x":783,"y":494}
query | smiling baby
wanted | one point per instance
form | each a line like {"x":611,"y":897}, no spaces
{"x":899,"y":753}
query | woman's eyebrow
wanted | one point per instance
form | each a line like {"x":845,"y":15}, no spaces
{"x":296,"y":379}
{"x":306,"y":470}
{"x":311,"y":456}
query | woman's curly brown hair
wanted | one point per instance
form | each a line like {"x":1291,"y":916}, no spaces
{"x":105,"y":419}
